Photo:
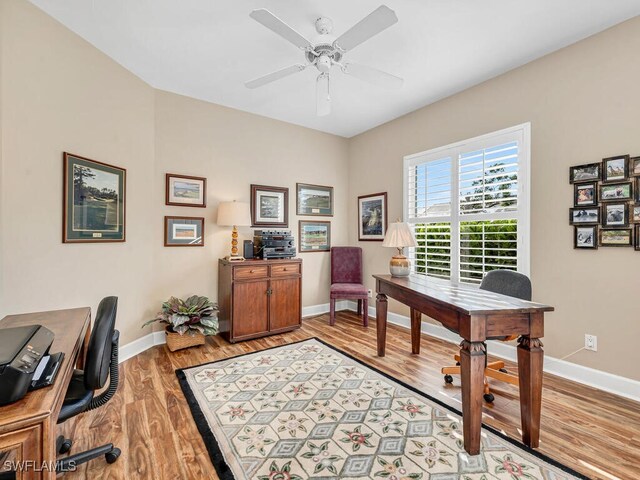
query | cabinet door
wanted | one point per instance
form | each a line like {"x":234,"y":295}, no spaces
{"x":285,"y":303}
{"x":250,"y":308}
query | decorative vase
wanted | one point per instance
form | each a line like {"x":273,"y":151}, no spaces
{"x":175,"y":341}
{"x":400,"y":266}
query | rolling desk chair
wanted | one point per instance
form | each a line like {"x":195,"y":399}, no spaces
{"x":101,"y":362}
{"x":506,"y":282}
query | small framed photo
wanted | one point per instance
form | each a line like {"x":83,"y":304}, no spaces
{"x":183,"y":231}
{"x":615,"y":214}
{"x":616,"y":192}
{"x":585,"y":173}
{"x":314,"y":236}
{"x":372,"y":217}
{"x":638,"y":189}
{"x":585,"y":194}
{"x":585,"y":237}
{"x":634,"y":167}
{"x":616,"y":237}
{"x":635,"y":213}
{"x":314,"y":200}
{"x":637,"y":228}
{"x":615,"y":169}
{"x":269,"y":206}
{"x":94,"y":201}
{"x":584,"y":216}
{"x":185,"y":191}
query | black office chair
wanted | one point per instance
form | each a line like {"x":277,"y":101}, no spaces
{"x":101,"y":362}
{"x":506,"y":282}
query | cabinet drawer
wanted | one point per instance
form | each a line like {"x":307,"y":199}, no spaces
{"x":285,"y":269}
{"x":261,"y":271}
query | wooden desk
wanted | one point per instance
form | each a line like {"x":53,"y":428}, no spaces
{"x":28,"y":426}
{"x":476,"y":315}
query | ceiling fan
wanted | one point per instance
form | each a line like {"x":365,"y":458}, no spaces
{"x":327,"y":51}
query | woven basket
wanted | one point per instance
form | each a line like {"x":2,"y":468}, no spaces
{"x":175,"y":341}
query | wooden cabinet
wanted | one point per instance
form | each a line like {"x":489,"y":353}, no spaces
{"x":259,"y":297}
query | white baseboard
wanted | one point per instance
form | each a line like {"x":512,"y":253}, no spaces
{"x":158,"y":338}
{"x":622,"y":386}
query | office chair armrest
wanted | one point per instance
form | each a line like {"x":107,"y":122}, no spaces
{"x":105,"y":396}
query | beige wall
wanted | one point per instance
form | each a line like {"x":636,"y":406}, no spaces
{"x":234,"y":149}
{"x":58,"y":93}
{"x":583,"y":103}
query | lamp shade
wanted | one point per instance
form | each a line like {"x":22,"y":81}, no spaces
{"x":399,"y":235}
{"x":234,"y":214}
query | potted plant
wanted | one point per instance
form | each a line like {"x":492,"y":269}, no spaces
{"x":187,"y":321}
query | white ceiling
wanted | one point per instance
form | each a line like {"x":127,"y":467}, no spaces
{"x":207,"y":49}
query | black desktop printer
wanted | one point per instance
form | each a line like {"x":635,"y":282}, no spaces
{"x":24,"y":363}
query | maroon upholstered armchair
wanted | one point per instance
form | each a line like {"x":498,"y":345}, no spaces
{"x":346,"y":281}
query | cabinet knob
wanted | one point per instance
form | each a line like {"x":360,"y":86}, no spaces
{"x":285,"y":269}
{"x":250,"y":271}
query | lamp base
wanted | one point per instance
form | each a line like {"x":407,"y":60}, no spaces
{"x":400,"y":266}
{"x":234,"y":258}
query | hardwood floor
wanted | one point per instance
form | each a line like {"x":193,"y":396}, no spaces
{"x":595,"y":433}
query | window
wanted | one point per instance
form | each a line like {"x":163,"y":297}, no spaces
{"x":468,"y":205}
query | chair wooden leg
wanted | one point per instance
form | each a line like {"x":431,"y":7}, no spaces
{"x":359,"y":312}
{"x":332,"y":311}
{"x":365,"y":312}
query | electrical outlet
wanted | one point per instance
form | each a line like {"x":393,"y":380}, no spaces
{"x":590,"y":342}
{"x":370,"y":293}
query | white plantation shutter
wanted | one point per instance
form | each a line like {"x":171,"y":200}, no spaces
{"x":468,"y":204}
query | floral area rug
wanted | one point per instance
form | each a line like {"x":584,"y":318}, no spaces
{"x":308,"y":410}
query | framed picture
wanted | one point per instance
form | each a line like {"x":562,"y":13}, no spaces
{"x":616,"y":237}
{"x":634,"y":167}
{"x":314,"y":236}
{"x":183,"y":231}
{"x":94,"y":201}
{"x":314,"y":200}
{"x":638,"y":189}
{"x":584,"y":216}
{"x":372,"y":217}
{"x":185,"y":191}
{"x":635,"y":213}
{"x":584,"y":194}
{"x":615,"y":214}
{"x":269,"y":206}
{"x":585,"y":173}
{"x":585,"y":237}
{"x":616,"y":191}
{"x":637,"y":227}
{"x":615,"y":169}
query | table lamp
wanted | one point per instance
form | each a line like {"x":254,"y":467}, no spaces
{"x":399,"y":235}
{"x":234,"y":214}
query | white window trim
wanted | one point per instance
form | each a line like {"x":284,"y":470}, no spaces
{"x":521,"y":133}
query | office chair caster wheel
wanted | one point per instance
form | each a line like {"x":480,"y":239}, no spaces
{"x":448,"y":379}
{"x":65,"y":446}
{"x":488,"y":397}
{"x":503,"y":370}
{"x":113,"y":455}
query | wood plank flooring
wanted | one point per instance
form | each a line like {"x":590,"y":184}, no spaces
{"x":595,"y":433}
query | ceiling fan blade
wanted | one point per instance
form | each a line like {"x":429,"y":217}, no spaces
{"x":269,"y":20}
{"x":323,"y":99}
{"x":273,"y":76}
{"x":373,"y":75}
{"x":377,"y":21}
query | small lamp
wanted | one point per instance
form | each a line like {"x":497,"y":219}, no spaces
{"x":234,"y":214}
{"x":399,"y":235}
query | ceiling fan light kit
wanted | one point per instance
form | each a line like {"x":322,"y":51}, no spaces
{"x":326,"y":52}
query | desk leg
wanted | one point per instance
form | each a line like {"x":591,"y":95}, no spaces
{"x":472,"y":362}
{"x":530,"y":361}
{"x":416,"y":323}
{"x":381,"y":322}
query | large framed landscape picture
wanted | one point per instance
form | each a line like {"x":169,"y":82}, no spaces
{"x":314,"y":236}
{"x":314,"y":200}
{"x":185,"y":191}
{"x":372,"y":217}
{"x":94,"y":201}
